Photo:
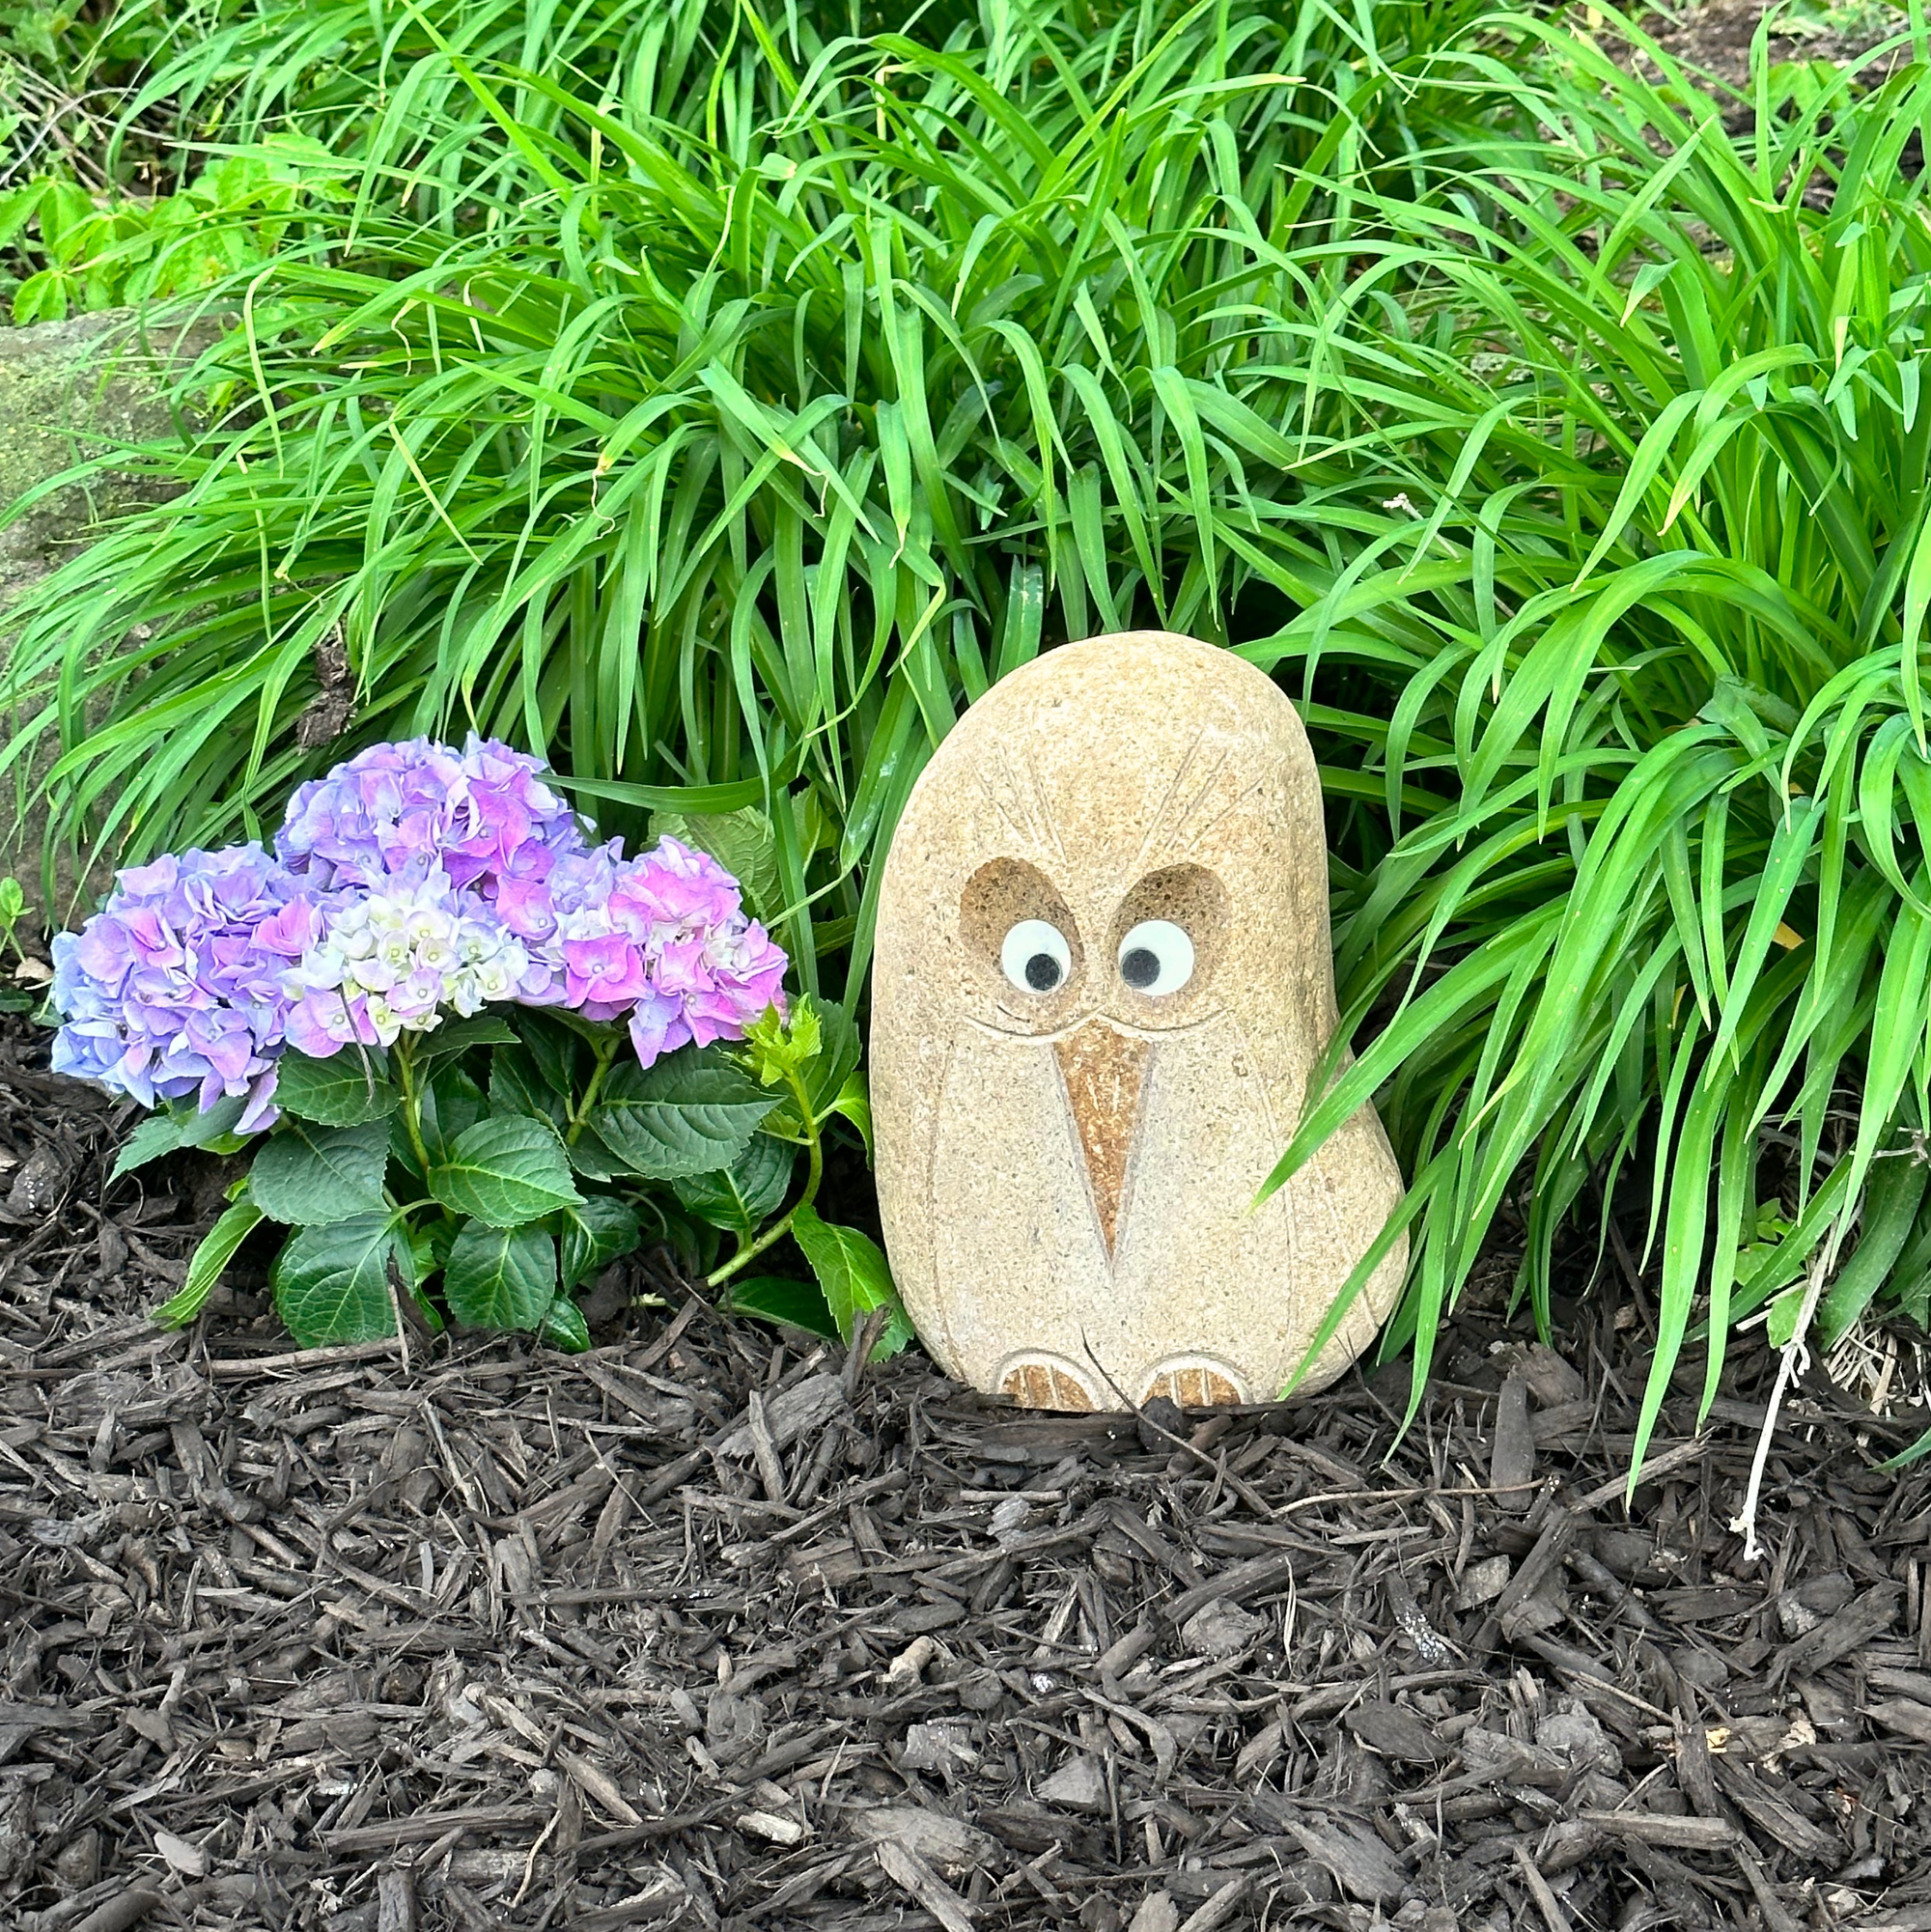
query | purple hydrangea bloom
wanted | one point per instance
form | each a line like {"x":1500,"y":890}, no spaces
{"x":482,"y":815}
{"x":413,"y":881}
{"x":662,"y":938}
{"x":175,"y":986}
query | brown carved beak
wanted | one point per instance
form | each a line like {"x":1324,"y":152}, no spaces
{"x":1104,"y":1072}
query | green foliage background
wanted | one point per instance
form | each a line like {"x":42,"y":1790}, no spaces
{"x":721,"y":396}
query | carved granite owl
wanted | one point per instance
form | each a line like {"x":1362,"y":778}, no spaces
{"x":1103,"y":977}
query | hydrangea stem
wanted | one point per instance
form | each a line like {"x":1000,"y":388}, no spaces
{"x":405,"y":1076}
{"x":579,"y":1114}
{"x":814,"y":1173}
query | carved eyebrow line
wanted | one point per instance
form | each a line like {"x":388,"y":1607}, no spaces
{"x":1155,"y":838}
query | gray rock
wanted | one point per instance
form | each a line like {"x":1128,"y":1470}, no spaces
{"x":1579,"y":1732}
{"x":938,"y":1747}
{"x":1077,"y":1784}
{"x":946,"y":1844}
{"x":1482,"y":1583}
{"x":1222,"y":1629}
{"x":1157,"y":1913}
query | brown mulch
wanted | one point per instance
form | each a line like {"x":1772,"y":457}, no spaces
{"x":711,"y":1629}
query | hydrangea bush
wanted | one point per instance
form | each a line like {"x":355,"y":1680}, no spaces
{"x":488,"y":1056}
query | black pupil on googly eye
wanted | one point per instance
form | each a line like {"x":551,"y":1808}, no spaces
{"x":1140,"y":968}
{"x":1042,"y":973}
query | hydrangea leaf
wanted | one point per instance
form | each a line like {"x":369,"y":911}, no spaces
{"x":159,"y":1133}
{"x":342,"y":1091}
{"x":801,"y":1304}
{"x":505,"y":1170}
{"x":854,"y":1102}
{"x":596,"y":1231}
{"x":516,"y":1085}
{"x":458,"y":1036}
{"x":591,"y":1158}
{"x":851,"y":1268}
{"x":310,"y":1176}
{"x":217,"y":1125}
{"x":564,"y":1326}
{"x":452,"y":1103}
{"x":691,"y":1113}
{"x":836,"y":1059}
{"x":332,"y":1283}
{"x":745,"y":1194}
{"x":824,"y":1071}
{"x":216,"y":1250}
{"x":500,"y":1277}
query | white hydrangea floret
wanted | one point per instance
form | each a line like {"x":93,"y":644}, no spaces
{"x":401,"y":958}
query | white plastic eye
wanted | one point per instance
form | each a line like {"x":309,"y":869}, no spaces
{"x":1035,"y":957}
{"x":1155,"y":957}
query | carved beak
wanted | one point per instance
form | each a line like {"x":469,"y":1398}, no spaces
{"x":1104,"y":1073}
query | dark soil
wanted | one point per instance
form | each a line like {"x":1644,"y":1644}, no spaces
{"x":711,"y":1629}
{"x":1716,"y":36}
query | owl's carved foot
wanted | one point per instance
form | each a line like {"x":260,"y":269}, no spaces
{"x":1047,"y":1381}
{"x":1194,"y":1381}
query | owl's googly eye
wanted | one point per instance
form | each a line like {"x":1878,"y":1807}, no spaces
{"x":1035,"y":957}
{"x":1155,"y":957}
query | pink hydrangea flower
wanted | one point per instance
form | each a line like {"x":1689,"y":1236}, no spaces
{"x":661,"y":939}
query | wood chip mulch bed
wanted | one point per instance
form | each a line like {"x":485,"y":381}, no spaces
{"x":709,"y":1628}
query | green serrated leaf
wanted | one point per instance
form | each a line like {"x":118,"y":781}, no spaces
{"x":310,"y":1176}
{"x":332,"y":1283}
{"x":341,"y":1091}
{"x":854,"y":1102}
{"x":742,"y":842}
{"x":452,"y":1103}
{"x":593,"y":1233}
{"x":217,"y":1126}
{"x":689,"y":1113}
{"x":837,"y":1058}
{"x":745,"y":1194}
{"x":159,"y":1133}
{"x":851,"y":1270}
{"x":505,"y":1170}
{"x":500,"y":1277}
{"x":589,"y":1158}
{"x":517,"y":1086}
{"x":564,"y":1326}
{"x":458,"y":1036}
{"x":555,"y":1048}
{"x":771,"y":1298}
{"x":827,"y":1046}
{"x":204,"y":1269}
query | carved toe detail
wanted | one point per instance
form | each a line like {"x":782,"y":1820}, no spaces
{"x":1194,"y":1383}
{"x":1038,"y":1383}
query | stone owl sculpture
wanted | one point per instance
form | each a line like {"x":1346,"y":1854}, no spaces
{"x":1103,"y":976}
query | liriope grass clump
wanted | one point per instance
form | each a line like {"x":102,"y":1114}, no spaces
{"x":1645,"y":888}
{"x":724,"y":438}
